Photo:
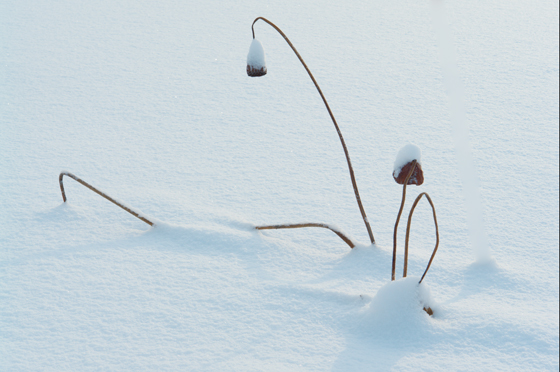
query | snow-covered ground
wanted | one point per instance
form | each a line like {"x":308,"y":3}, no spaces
{"x":150,"y":102}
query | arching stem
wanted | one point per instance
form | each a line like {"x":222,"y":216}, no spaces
{"x":408,"y":235}
{"x":79,"y":180}
{"x":398,"y":219}
{"x":300,"y":225}
{"x":351,"y":170}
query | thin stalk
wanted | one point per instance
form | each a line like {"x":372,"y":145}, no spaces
{"x":350,"y":169}
{"x":408,"y":234}
{"x":398,"y":219}
{"x":62,"y":174}
{"x":300,"y":225}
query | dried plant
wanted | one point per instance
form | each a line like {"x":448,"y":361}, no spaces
{"x":414,"y":175}
{"x":251,"y":67}
{"x":410,"y":173}
{"x":79,"y":180}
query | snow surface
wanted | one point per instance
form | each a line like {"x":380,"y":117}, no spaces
{"x":460,"y":129}
{"x":151,"y":103}
{"x":255,"y":57}
{"x":406,"y":154}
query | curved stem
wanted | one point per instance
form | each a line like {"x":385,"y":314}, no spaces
{"x":398,"y":219}
{"x":62,"y":174}
{"x":351,"y":170}
{"x":300,"y":225}
{"x":408,"y":234}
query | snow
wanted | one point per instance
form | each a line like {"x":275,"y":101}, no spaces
{"x":151,"y":104}
{"x":255,"y":57}
{"x":405,"y":155}
{"x":460,"y":130}
{"x":399,"y":303}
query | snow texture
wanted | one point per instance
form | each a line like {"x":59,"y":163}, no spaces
{"x":405,"y":155}
{"x":460,"y":129}
{"x":150,"y":102}
{"x":398,"y":305}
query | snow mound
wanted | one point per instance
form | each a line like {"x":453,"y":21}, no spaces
{"x":398,"y":305}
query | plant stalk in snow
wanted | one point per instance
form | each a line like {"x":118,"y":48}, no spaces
{"x":62,"y":174}
{"x":413,"y":166}
{"x":351,"y":170}
{"x":408,"y":235}
{"x":300,"y":225}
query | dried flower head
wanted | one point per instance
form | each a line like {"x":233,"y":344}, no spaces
{"x":403,"y":163}
{"x":417,"y":177}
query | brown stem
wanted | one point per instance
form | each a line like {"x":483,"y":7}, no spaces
{"x":408,"y":235}
{"x":350,"y":169}
{"x":62,"y":174}
{"x":408,"y":232}
{"x":300,"y":225}
{"x":398,"y":219}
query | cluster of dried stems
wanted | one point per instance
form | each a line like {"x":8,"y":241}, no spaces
{"x":410,"y":172}
{"x":346,"y":239}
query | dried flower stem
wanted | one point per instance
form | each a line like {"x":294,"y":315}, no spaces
{"x":414,"y":162}
{"x":62,"y":174}
{"x":408,"y":235}
{"x":300,"y":225}
{"x":351,"y":170}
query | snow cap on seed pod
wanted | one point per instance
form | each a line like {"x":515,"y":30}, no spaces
{"x":403,"y":163}
{"x":256,"y":64}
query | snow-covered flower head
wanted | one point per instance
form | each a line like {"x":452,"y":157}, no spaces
{"x":403,"y":164}
{"x":256,"y":64}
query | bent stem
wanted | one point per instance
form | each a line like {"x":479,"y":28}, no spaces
{"x":301,"y":225}
{"x":350,"y":169}
{"x":408,"y":235}
{"x":62,"y":174}
{"x":414,"y":162}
